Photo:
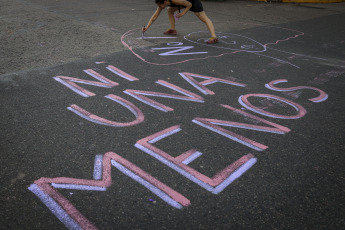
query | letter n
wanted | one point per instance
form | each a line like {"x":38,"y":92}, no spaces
{"x":142,"y":96}
{"x":214,"y":125}
{"x":70,"y":82}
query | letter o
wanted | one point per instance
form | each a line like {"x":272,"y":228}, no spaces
{"x":243,"y":100}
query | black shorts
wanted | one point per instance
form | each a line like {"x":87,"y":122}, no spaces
{"x":196,"y":6}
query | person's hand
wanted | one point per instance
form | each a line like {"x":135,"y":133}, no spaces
{"x":178,"y":15}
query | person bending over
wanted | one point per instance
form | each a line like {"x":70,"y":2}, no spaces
{"x":187,"y":5}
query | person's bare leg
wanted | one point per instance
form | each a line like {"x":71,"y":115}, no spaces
{"x":203,"y":17}
{"x":171,"y":11}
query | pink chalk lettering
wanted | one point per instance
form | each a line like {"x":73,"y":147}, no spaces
{"x":322,"y":95}
{"x":45,"y":189}
{"x":139,"y":116}
{"x":180,"y":163}
{"x":189,"y":77}
{"x":214,"y":125}
{"x":243,"y":100}
{"x":176,"y":50}
{"x":70,"y":82}
{"x":97,"y":169}
{"x":139,"y":95}
{"x":121,"y":73}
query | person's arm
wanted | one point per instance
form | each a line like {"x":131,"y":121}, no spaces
{"x":153,"y":18}
{"x":184,"y":3}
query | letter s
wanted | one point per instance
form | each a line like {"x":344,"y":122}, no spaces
{"x":322,"y":97}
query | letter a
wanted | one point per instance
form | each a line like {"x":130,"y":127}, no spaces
{"x":189,"y":77}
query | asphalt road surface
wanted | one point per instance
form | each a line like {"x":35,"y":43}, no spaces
{"x":109,"y":130}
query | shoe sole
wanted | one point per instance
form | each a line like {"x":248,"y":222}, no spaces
{"x":170,"y":33}
{"x":213,"y":41}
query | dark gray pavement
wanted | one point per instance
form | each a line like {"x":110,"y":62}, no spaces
{"x":56,"y":163}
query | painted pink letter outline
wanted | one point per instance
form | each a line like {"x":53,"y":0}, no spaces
{"x":121,"y":73}
{"x":243,"y":100}
{"x":70,"y":82}
{"x":201,"y":86}
{"x":322,"y":95}
{"x":180,"y":164}
{"x":63,"y":209}
{"x":141,"y":96}
{"x":213,"y":125}
{"x":139,"y":115}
